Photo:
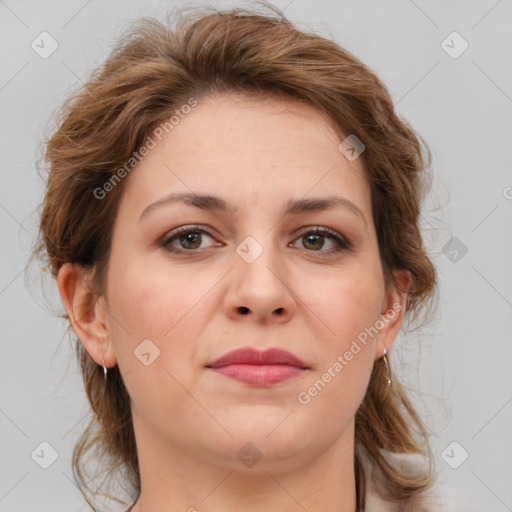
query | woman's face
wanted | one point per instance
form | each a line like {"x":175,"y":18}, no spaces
{"x":245,"y":271}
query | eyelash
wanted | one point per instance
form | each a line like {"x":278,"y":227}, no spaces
{"x":342,"y":244}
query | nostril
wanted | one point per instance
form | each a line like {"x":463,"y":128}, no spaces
{"x":243,"y":310}
{"x":279,"y":311}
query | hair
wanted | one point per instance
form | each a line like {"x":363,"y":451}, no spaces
{"x":154,"y":69}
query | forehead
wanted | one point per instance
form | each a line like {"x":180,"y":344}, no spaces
{"x":249,"y":150}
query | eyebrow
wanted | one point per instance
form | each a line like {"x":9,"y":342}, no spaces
{"x":292,"y":207}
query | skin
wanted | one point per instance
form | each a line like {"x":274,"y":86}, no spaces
{"x":189,"y":421}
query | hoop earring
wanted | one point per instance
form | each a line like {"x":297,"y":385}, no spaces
{"x":104,"y":371}
{"x":388,"y":368}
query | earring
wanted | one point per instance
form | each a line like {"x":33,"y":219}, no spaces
{"x":388,"y":368}
{"x":104,"y":370}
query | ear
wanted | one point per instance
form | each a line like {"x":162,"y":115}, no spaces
{"x":87,"y":312}
{"x":393,"y":312}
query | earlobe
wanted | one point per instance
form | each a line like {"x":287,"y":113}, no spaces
{"x":393,"y":312}
{"x":88,"y":316}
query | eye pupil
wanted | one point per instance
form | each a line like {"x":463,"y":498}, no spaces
{"x":193,"y":238}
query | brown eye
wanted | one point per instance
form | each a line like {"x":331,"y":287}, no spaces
{"x":317,"y":239}
{"x":191,"y":240}
{"x":314,"y":242}
{"x":187,"y":239}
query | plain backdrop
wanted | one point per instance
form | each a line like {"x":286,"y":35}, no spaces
{"x":458,"y":98}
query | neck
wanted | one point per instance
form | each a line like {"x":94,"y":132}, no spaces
{"x":182,"y":481}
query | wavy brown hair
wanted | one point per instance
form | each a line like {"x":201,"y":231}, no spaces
{"x":154,"y":69}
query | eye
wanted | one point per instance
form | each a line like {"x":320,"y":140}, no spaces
{"x":186,"y":239}
{"x":193,"y":239}
{"x":315,"y":240}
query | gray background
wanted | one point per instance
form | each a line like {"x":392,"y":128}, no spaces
{"x":459,"y":366}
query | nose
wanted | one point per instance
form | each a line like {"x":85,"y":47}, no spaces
{"x":260,"y":291}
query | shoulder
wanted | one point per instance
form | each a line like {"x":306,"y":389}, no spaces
{"x":435,"y":499}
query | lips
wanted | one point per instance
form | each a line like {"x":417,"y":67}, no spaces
{"x":250,"y":356}
{"x":256,"y":368}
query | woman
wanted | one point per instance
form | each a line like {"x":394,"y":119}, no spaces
{"x":232,"y":217}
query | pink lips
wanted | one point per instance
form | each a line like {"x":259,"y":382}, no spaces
{"x":259,"y":368}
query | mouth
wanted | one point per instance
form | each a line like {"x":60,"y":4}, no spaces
{"x":262,"y":369}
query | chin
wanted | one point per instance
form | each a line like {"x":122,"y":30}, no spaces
{"x":272,"y":430}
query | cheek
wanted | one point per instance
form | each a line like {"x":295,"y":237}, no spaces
{"x":345,"y":306}
{"x":331,"y":396}
{"x":146,"y":303}
{"x":345,"y":310}
{"x":156,"y":318}
{"x":154,"y":299}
